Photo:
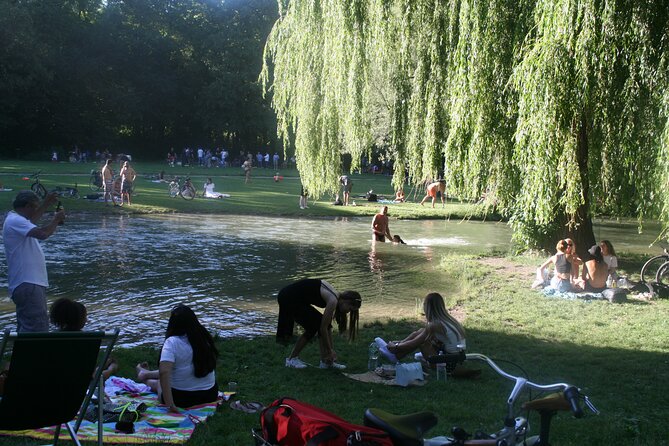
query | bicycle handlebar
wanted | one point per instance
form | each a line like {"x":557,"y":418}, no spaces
{"x":571,"y":393}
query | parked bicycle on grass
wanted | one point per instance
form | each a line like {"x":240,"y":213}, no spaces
{"x":408,"y":430}
{"x":37,"y":186}
{"x":186,"y":190}
{"x":656,"y":269}
{"x":40,"y":190}
{"x":95,"y":181}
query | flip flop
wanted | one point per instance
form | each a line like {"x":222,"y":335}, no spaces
{"x":247,"y":406}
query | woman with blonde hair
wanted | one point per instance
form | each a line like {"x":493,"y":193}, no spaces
{"x":441,"y":333}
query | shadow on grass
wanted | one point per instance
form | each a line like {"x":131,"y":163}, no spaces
{"x":625,"y":385}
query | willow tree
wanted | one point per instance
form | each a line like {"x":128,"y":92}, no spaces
{"x":553,"y":109}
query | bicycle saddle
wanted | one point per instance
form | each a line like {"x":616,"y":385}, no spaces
{"x":552,"y":402}
{"x":404,"y":430}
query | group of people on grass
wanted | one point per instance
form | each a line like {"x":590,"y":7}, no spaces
{"x":442,"y":333}
{"x":185,"y":375}
{"x":571,"y":273}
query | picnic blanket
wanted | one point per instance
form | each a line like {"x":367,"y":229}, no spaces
{"x":156,"y":425}
{"x":552,"y":292}
{"x":374,"y":378}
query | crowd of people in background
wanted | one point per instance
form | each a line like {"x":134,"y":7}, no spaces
{"x":221,"y":157}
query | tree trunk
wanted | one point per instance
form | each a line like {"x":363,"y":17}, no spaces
{"x":579,"y":229}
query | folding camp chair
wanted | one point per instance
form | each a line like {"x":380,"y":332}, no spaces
{"x":52,"y":377}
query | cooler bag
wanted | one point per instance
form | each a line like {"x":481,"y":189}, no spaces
{"x":288,"y":422}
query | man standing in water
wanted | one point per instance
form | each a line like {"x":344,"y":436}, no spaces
{"x":26,"y":266}
{"x":380,"y":225}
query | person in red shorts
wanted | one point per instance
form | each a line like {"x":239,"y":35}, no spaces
{"x":432,"y":189}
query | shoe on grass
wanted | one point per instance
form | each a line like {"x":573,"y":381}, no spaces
{"x":390,"y":356}
{"x":295,"y":363}
{"x":334,"y":365}
{"x":383,"y":348}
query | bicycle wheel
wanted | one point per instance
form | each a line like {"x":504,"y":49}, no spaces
{"x":94,"y":183}
{"x":650,"y":269}
{"x":39,"y":190}
{"x":662,"y":275}
{"x":174,"y":189}
{"x":188,"y":192}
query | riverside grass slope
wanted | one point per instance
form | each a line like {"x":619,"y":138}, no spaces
{"x":262,"y":196}
{"x":618,"y":354}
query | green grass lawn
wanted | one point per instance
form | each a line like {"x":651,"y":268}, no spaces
{"x":617,"y":353}
{"x":263,"y":196}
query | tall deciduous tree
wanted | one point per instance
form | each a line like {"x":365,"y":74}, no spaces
{"x":554,"y":110}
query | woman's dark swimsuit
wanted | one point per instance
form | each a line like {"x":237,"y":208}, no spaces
{"x":296,"y":304}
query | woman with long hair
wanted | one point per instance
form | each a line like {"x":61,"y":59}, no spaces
{"x":441,"y":333}
{"x":296,"y":305}
{"x":186,"y":372}
{"x":609,"y":255}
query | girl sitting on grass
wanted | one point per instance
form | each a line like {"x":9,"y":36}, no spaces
{"x":442,"y":333}
{"x":186,"y":371}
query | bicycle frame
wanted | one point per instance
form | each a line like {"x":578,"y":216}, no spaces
{"x":515,"y":428}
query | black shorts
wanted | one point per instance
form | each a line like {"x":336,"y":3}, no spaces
{"x":190,"y":398}
{"x":306,"y":317}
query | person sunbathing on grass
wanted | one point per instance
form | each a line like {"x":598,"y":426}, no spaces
{"x":186,"y":373}
{"x":442,"y":333}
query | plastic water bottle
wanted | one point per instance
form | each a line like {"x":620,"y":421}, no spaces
{"x":442,"y":375}
{"x":373,"y":358}
{"x":609,"y":281}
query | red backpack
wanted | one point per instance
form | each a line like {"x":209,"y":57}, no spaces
{"x":288,"y":422}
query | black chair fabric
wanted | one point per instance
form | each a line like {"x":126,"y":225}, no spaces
{"x":48,"y":377}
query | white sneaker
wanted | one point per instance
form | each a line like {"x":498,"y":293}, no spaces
{"x":334,"y":365}
{"x":295,"y":363}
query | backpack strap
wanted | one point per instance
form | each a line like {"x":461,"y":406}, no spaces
{"x":326,"y":434}
{"x":269,"y":426}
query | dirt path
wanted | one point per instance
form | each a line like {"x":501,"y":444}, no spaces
{"x":509,"y":268}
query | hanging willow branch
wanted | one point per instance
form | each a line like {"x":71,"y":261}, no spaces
{"x":552,"y":109}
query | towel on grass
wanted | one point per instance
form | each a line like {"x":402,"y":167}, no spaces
{"x":372,"y":377}
{"x":552,"y":292}
{"x":156,"y":425}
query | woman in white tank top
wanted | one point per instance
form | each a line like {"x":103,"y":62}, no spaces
{"x":442,"y":333}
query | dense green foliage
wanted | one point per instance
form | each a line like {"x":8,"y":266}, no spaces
{"x":552,"y":110}
{"x":132,"y":76}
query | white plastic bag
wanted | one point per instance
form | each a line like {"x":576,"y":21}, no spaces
{"x":407,"y":372}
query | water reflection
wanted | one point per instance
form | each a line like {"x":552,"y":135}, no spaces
{"x":131,"y":270}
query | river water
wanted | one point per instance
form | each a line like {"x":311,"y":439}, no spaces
{"x":130,"y":271}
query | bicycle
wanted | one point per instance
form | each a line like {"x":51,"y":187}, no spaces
{"x":408,"y":430}
{"x":95,"y":181}
{"x":187,"y":191}
{"x":656,"y":268}
{"x":38,"y":187}
{"x":68,"y":192}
